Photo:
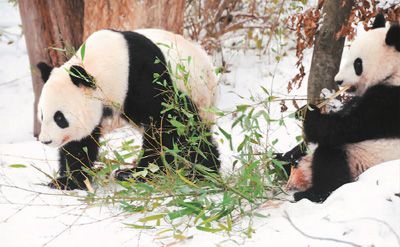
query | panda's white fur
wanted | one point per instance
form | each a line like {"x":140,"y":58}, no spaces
{"x":380,"y":62}
{"x":202,"y":78}
{"x":102,"y":49}
{"x":361,"y":156}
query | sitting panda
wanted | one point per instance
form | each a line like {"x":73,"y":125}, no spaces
{"x":128,"y":74}
{"x":366,"y":131}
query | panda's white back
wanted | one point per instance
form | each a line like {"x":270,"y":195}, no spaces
{"x":202,"y":79}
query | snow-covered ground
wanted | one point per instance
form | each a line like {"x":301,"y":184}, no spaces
{"x":363,"y":213}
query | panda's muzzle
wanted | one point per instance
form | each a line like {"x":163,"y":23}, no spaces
{"x":46,"y":142}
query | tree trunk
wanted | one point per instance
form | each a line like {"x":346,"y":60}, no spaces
{"x":327,"y":49}
{"x":49,"y":24}
{"x":132,"y":14}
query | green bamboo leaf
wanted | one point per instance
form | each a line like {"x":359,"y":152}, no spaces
{"x":17,"y":166}
{"x":180,"y":213}
{"x":119,"y":157}
{"x":186,"y":180}
{"x":83,"y":49}
{"x":180,"y":128}
{"x":210,"y":219}
{"x":152,"y":217}
{"x":243,"y":143}
{"x":140,"y":227}
{"x":241,"y":108}
{"x":227,"y":136}
{"x":208,"y":229}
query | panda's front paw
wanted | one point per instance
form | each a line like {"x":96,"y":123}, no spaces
{"x":312,"y":124}
{"x":311,"y":195}
{"x":66,"y":183}
{"x":127,"y":174}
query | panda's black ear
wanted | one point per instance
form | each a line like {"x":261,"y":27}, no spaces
{"x":79,"y":77}
{"x":45,"y":70}
{"x":393,"y":37}
{"x":379,"y":21}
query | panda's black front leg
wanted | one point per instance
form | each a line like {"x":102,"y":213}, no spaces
{"x":74,"y":157}
{"x":375,"y":115}
{"x":332,"y":129}
{"x":330,"y":170}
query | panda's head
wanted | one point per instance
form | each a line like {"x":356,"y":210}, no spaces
{"x":373,"y":58}
{"x":68,"y":108}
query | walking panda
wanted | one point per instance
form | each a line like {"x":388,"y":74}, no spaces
{"x":366,"y":132}
{"x":129,"y":74}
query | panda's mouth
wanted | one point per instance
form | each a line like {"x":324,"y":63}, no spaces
{"x":65,"y":140}
{"x":352,"y":89}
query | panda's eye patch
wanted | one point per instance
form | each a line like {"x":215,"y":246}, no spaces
{"x":358,"y":67}
{"x":60,"y":120}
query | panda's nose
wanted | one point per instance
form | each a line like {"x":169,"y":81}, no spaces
{"x":46,"y":142}
{"x":339,"y":82}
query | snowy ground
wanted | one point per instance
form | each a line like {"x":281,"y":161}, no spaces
{"x":364,"y":213}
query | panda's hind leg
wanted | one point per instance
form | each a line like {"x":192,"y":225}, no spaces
{"x":154,"y":147}
{"x":209,"y":156}
{"x":330,"y":170}
{"x":151,"y":154}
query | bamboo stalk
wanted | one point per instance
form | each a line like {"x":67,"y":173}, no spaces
{"x":344,"y":89}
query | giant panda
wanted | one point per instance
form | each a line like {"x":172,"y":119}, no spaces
{"x":137,"y":76}
{"x":366,"y":131}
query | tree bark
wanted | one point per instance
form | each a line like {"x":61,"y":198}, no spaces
{"x":49,"y":24}
{"x":327,"y":49}
{"x":132,"y":14}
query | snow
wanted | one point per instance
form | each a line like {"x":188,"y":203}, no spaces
{"x":364,"y":213}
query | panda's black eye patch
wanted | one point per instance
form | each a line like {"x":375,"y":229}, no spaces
{"x":60,"y":120}
{"x":358,"y":66}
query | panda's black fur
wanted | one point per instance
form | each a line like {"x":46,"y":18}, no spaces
{"x":375,"y":115}
{"x":142,"y":106}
